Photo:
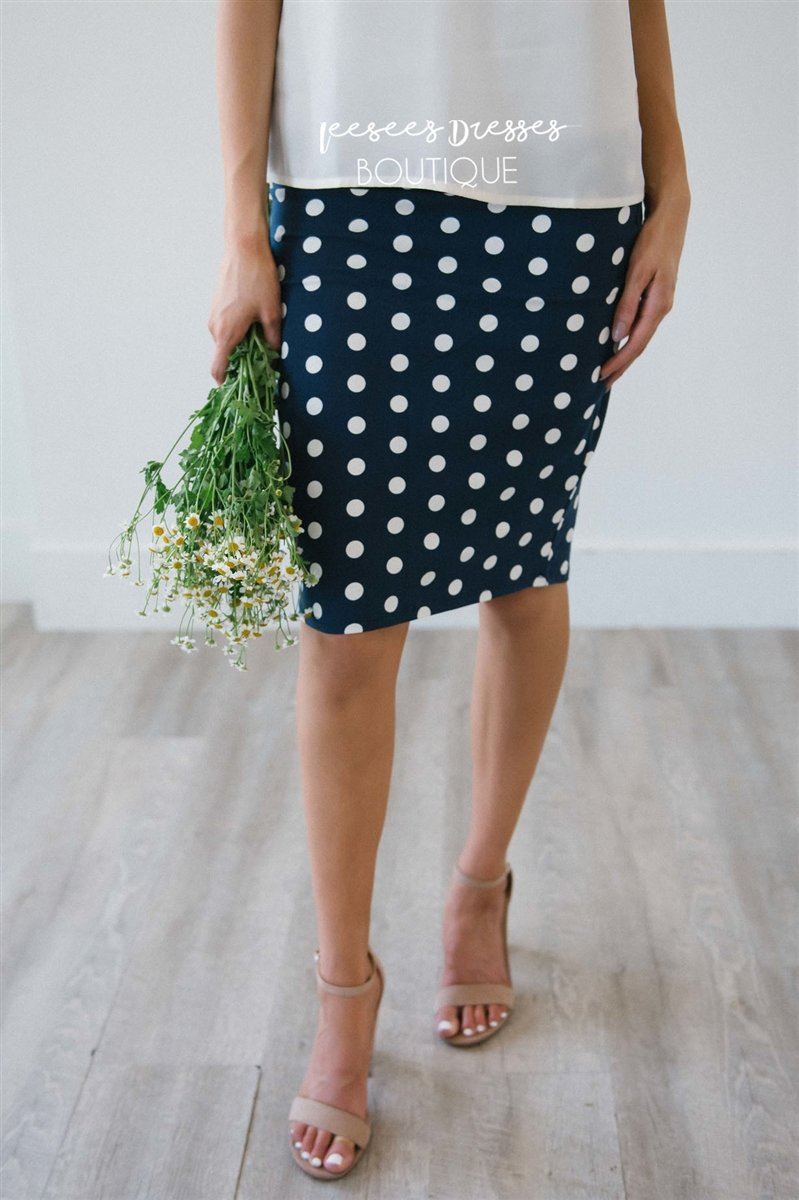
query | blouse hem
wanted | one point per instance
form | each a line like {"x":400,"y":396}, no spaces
{"x":483,"y":195}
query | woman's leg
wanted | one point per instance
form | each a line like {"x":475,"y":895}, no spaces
{"x":345,"y":724}
{"x":521,"y":658}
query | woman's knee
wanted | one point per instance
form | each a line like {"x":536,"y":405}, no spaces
{"x":352,"y":665}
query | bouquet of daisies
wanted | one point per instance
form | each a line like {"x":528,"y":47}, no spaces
{"x":222,"y":540}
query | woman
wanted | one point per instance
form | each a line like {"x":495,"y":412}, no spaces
{"x":458,"y":269}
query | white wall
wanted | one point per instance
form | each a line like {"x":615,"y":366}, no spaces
{"x":112,"y":226}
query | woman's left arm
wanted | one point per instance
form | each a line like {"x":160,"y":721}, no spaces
{"x":651,"y":278}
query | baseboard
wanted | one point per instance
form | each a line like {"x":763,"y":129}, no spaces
{"x":611,"y":585}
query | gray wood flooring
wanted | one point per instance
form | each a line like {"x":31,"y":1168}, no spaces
{"x":158,"y":928}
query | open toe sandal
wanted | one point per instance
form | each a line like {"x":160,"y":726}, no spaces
{"x":481,"y":993}
{"x":337,"y":1121}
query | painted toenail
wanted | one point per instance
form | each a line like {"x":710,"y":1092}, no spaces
{"x":334,"y":1160}
{"x":316,"y":1162}
{"x":445,"y":1025}
{"x":468,"y":1032}
{"x":481,"y":1028}
{"x":298,"y":1145}
{"x":493,"y":1024}
{"x":305,"y":1154}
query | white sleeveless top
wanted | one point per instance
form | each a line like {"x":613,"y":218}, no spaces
{"x":514,"y":101}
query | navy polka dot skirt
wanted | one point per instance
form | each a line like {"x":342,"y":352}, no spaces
{"x":441,"y":392}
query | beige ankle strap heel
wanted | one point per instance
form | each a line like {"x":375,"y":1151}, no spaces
{"x":458,"y":994}
{"x":337,"y":1121}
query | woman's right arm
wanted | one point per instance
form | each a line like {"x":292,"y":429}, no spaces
{"x":248,"y":289}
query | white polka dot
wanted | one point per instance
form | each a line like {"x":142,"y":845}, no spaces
{"x":530,"y":343}
{"x":445,"y":302}
{"x":404,"y":207}
{"x":580,"y":446}
{"x":280,"y":194}
{"x":485,"y":595}
{"x":279,"y":232}
{"x":496,"y":208}
{"x":494,"y":245}
{"x":454,"y":586}
{"x":356,"y":341}
{"x":313,"y":405}
{"x":353,"y":627}
{"x":437,"y":462}
{"x":516,"y":571}
{"x":624,"y":214}
{"x":448,"y":264}
{"x":546,"y":550}
{"x":403,"y":243}
{"x":507,"y":492}
{"x":571,"y":482}
{"x":441,"y":383}
{"x":402,"y":281}
{"x":390,"y":603}
{"x":436,"y":503}
{"x":476,"y":479}
{"x":489,"y":562}
{"x":356,"y":466}
{"x":611,"y":296}
{"x":400,"y":320}
{"x":440,"y":423}
{"x":311,"y":244}
{"x":396,"y":484}
{"x":514,"y":458}
{"x":314,"y":529}
{"x":526,"y":538}
{"x":537,"y":266}
{"x":484,"y":363}
{"x":394,"y":565}
{"x":482,"y":403}
{"x":431,"y":540}
{"x":450,"y":225}
{"x":540,"y":581}
{"x":551,"y":436}
{"x":317,"y":610}
{"x":534,"y":304}
{"x":575,"y":322}
{"x":353,"y":591}
{"x":443,"y":342}
{"x":603,"y":336}
{"x":488,"y":323}
{"x":284,"y":349}
{"x":399,"y":362}
{"x":585,"y":242}
{"x":545,"y":472}
{"x":358,"y":225}
{"x":557,"y":518}
{"x":356,"y":300}
{"x":313,"y":322}
{"x":398,"y":403}
{"x":356,"y":383}
{"x":314,"y":488}
{"x":536,"y":505}
{"x":356,"y":262}
{"x":311,"y":283}
{"x":568,"y":362}
{"x":355,"y":508}
{"x":356,"y":424}
{"x":524,"y":383}
{"x":466,"y":553}
{"x":478,"y":441}
{"x":520,"y":421}
{"x":315,"y":448}
{"x":427,"y":578}
{"x":491,"y":285}
{"x":588,"y":411}
{"x":424,"y":611}
{"x":354,"y":549}
{"x":315,"y":207}
{"x":580,"y":284}
{"x":395,"y":525}
{"x":398,"y":444}
{"x":562,"y":400}
{"x":541,"y":223}
{"x":617,"y":255}
{"x":469,"y":516}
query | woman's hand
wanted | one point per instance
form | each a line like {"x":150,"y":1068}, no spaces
{"x":648,"y":292}
{"x":248,"y":291}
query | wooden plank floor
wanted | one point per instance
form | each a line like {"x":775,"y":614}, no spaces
{"x":158,"y":928}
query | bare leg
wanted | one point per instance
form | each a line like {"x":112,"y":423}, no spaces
{"x":345,"y":723}
{"x":521,"y":658}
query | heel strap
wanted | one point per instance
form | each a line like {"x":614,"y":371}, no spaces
{"x":481,"y":883}
{"x":356,"y":989}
